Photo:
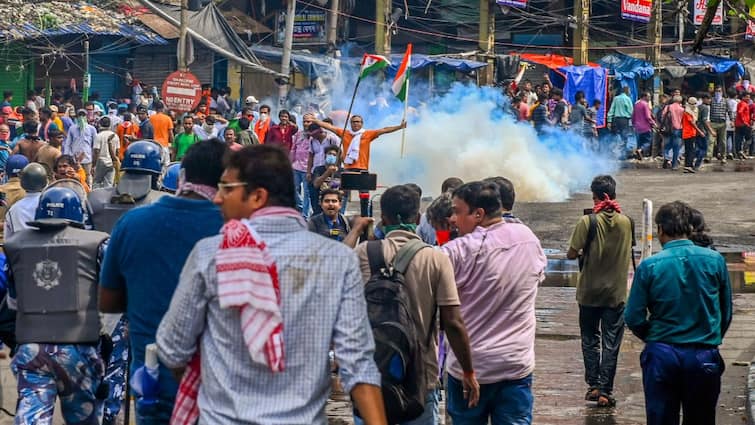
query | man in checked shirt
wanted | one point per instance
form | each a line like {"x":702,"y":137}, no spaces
{"x":321,"y":302}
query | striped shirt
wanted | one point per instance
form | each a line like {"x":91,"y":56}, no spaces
{"x":718,"y":111}
{"x":322,"y":302}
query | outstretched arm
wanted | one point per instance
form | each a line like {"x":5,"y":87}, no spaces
{"x":327,"y":126}
{"x":386,"y":130}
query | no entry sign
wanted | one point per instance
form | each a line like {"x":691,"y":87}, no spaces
{"x":181,"y":91}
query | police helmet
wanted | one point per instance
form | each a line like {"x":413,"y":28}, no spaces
{"x":60,"y":203}
{"x":34,"y":177}
{"x":143,"y":155}
{"x":15,"y":164}
{"x":170,"y":178}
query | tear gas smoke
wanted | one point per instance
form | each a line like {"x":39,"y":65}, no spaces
{"x":463,"y":133}
{"x":466,"y":134}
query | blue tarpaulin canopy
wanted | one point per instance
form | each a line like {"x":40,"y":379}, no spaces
{"x":421,"y":61}
{"x":312,"y":65}
{"x":715,"y":64}
{"x":590,"y":80}
{"x":626,"y":70}
{"x":623,"y":66}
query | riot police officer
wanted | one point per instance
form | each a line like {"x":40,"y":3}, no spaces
{"x":33,"y":181}
{"x":170,"y":178}
{"x":142,"y":165}
{"x":53,"y":271}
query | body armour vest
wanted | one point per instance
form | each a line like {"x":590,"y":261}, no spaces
{"x":108,"y":206}
{"x":55,"y":271}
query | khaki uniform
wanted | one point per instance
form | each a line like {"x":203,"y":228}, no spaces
{"x":13,"y":193}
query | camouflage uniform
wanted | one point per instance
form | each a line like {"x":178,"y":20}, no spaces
{"x":72,"y":372}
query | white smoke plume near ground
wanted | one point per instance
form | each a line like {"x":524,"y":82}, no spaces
{"x":465,"y":133}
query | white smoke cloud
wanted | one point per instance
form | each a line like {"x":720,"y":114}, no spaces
{"x":465,"y":134}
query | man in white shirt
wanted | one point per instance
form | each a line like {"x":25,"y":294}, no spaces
{"x":105,"y":155}
{"x":33,"y":180}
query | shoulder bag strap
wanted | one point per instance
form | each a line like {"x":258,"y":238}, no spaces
{"x":375,"y":256}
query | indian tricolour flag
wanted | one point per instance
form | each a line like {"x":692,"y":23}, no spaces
{"x":372,"y":64}
{"x":401,"y":82}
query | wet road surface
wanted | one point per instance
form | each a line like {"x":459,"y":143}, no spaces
{"x":559,"y":386}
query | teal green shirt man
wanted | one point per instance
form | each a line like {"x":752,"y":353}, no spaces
{"x":682,"y":295}
{"x":621,"y":107}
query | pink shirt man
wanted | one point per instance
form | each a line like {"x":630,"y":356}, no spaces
{"x":498,"y":270}
{"x":642,"y":117}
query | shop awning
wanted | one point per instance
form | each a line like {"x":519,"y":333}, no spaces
{"x":420,"y":61}
{"x":41,"y":20}
{"x":312,"y":65}
{"x":209,"y":27}
{"x":714,"y":64}
{"x":551,"y":61}
{"x":623,"y":66}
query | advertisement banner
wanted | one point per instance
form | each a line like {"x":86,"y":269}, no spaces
{"x":637,"y":10}
{"x":309,"y":27}
{"x":700,"y":8}
{"x":512,"y":3}
{"x":750,"y":34}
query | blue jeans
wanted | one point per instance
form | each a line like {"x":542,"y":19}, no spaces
{"x":686,"y":376}
{"x":301,"y":190}
{"x":674,"y":145}
{"x":645,"y":142}
{"x":157,"y":414}
{"x":701,"y":150}
{"x":430,"y":416}
{"x":504,"y":403}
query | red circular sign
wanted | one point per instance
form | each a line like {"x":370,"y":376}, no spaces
{"x":181,"y":91}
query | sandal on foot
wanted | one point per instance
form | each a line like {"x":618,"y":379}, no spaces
{"x":592,"y":394}
{"x":605,"y":400}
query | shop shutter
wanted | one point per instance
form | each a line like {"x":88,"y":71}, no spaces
{"x":107,"y":76}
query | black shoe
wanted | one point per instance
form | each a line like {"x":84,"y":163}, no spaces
{"x":666,"y":164}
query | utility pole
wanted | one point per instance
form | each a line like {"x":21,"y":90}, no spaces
{"x":582,"y":32}
{"x":286,"y":59}
{"x":183,"y":31}
{"x":655,"y":36}
{"x":382,"y":27}
{"x":87,"y":78}
{"x":486,"y":40}
{"x":682,"y":8}
{"x":333,"y":24}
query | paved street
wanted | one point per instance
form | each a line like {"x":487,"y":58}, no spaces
{"x":559,"y":386}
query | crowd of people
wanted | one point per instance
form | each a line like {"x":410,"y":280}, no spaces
{"x":210,"y":254}
{"x":716,"y":125}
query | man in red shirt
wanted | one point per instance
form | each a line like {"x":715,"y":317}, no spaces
{"x":742,"y":123}
{"x":282,"y":133}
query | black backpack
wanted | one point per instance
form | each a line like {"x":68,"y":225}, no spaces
{"x":398,"y":349}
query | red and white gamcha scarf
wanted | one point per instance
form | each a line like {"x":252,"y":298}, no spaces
{"x":247,"y":280}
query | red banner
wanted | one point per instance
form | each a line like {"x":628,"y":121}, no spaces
{"x":750,"y":34}
{"x":637,"y":10}
{"x":701,"y":7}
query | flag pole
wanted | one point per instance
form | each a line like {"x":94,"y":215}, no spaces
{"x":351,"y":105}
{"x":406,"y":111}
